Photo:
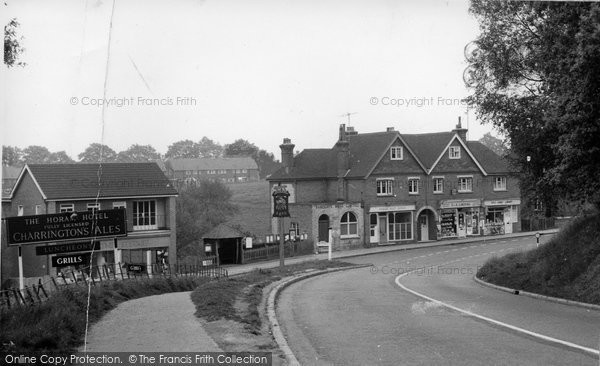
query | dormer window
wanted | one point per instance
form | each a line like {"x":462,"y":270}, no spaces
{"x":454,"y":152}
{"x":396,"y":153}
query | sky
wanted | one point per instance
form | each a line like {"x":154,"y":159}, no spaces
{"x":230,"y":69}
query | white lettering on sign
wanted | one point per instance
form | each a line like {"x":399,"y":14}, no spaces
{"x":508,"y":202}
{"x":392,"y":208}
{"x":460,"y":203}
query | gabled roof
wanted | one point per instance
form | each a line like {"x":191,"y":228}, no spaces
{"x":223,"y":231}
{"x":310,"y":164}
{"x":212,"y":163}
{"x":428,"y":146}
{"x":367,"y":149}
{"x":491,"y":162}
{"x":80,"y":181}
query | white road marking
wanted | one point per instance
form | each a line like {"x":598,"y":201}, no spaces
{"x":546,"y":338}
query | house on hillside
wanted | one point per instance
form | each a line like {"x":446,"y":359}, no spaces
{"x":141,"y":188}
{"x":225,"y":170}
{"x":391,"y":188}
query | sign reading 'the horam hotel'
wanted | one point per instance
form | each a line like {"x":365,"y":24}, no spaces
{"x":65,"y":226}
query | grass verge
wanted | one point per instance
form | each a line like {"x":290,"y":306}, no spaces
{"x":568,"y":266}
{"x":217,"y":300}
{"x":58,"y":324}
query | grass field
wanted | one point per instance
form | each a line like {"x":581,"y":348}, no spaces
{"x":254,"y":207}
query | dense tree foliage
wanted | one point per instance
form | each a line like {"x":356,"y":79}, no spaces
{"x":199,"y":209}
{"x":96,"y":153}
{"x":12,"y":44}
{"x":535,"y":76}
{"x":493,"y":143}
{"x":205,"y":148}
{"x":266,"y":161}
{"x":138,"y":154}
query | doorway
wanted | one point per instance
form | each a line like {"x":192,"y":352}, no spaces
{"x":424,"y":226}
{"x":323,"y":228}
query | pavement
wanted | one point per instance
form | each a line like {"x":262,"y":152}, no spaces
{"x":236,"y":269}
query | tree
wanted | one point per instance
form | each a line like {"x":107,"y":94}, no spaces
{"x":138,"y":154}
{"x":199,"y":209}
{"x":241,"y":147}
{"x":12,"y":155}
{"x":12,"y":44}
{"x":96,"y":153}
{"x":493,"y":143}
{"x":535,"y":76}
{"x":60,"y":157}
{"x":266,"y":162}
{"x":182,"y":149}
{"x":207,"y":148}
{"x":35,"y":154}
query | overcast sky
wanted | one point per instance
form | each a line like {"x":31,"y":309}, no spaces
{"x":258,"y":70}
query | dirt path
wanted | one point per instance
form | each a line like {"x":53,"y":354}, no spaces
{"x":160,"y":323}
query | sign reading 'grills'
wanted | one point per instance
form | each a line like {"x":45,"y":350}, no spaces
{"x":65,"y":226}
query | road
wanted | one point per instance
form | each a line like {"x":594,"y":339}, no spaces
{"x":363,"y":316}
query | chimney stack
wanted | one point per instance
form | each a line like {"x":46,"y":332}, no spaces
{"x":462,"y":132}
{"x":342,"y":148}
{"x":390,"y":129}
{"x":287,"y":154}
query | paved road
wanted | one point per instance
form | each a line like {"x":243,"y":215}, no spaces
{"x":362,"y":317}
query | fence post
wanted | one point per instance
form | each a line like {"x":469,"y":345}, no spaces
{"x":83,"y":276}
{"x":55,"y":284}
{"x":36,"y":292}
{"x":19,"y":296}
{"x":41,"y":285}
{"x":29,"y":295}
{"x":6,"y":293}
{"x":74,"y":277}
{"x":99,"y":274}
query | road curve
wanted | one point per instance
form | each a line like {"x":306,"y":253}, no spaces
{"x":362,"y":317}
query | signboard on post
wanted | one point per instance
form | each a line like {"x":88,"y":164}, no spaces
{"x":280,"y":202}
{"x":85,"y":246}
{"x":66,"y":226}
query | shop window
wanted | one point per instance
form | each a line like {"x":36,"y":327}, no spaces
{"x":465,"y":184}
{"x":397,"y":153}
{"x":499,"y":183}
{"x":413,"y":185}
{"x":438,"y":185}
{"x":454,"y":152}
{"x":144,"y":215}
{"x":349,"y":225}
{"x":400,"y":226}
{"x":67,"y":207}
{"x":384,"y":187}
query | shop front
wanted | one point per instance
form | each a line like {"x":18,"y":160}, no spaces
{"x":501,"y":216}
{"x":460,"y":218}
{"x":390,"y":224}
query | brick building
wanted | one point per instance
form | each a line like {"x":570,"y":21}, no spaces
{"x":392,"y":188}
{"x":225,"y":170}
{"x":141,"y":188}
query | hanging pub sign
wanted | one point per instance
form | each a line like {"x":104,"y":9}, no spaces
{"x":280,"y":202}
{"x":65,"y":226}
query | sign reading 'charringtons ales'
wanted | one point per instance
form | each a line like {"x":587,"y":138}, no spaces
{"x":280,"y":202}
{"x":65,"y":226}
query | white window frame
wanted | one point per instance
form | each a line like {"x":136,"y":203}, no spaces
{"x":244,"y":171}
{"x":413,"y":185}
{"x":400,"y":227}
{"x":348,"y":225}
{"x":467,"y":189}
{"x":394,"y":155}
{"x":120,"y":204}
{"x":38,"y":209}
{"x":67,"y":207}
{"x":20,"y":210}
{"x":435,"y":180}
{"x":388,"y":184}
{"x":502,"y":185}
{"x":150,"y":221}
{"x":93,"y":206}
{"x":454,"y":152}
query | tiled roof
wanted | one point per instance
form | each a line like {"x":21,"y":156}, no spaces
{"x":62,"y":181}
{"x":223,"y":231}
{"x":491,"y":162}
{"x":310,"y":163}
{"x":428,"y":146}
{"x":211,"y":163}
{"x":366,"y":149}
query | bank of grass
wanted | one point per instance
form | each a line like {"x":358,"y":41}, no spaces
{"x":58,"y":324}
{"x":217,"y":300}
{"x":568,"y":266}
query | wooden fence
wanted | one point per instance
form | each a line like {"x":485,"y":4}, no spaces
{"x":96,"y":275}
{"x":270,"y":251}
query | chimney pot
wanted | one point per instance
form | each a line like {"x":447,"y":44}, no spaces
{"x":287,"y":153}
{"x":390,"y":129}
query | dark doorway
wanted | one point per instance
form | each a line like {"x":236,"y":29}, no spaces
{"x":324,"y":228}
